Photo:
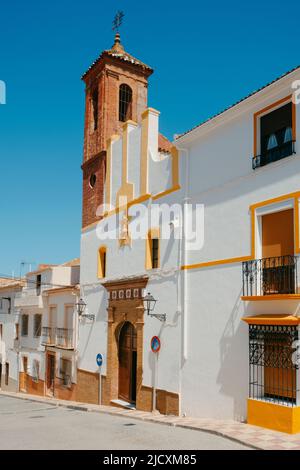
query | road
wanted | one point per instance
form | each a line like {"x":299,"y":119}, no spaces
{"x":30,"y":425}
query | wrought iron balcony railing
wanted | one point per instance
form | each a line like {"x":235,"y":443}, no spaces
{"x":269,"y":276}
{"x":48,"y":335}
{"x":273,"y":155}
{"x":65,"y":338}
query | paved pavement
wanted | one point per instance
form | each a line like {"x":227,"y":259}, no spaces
{"x":26,"y":424}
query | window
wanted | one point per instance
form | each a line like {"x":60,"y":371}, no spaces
{"x":16,"y":330}
{"x":152,"y":249}
{"x":155,"y":247}
{"x":1,"y":332}
{"x":24,"y":327}
{"x":272,"y":370}
{"x":93,"y":180}
{"x":102,"y":262}
{"x":37,"y":325}
{"x":38,"y":284}
{"x":95,"y":108}
{"x":6,"y":373}
{"x":125,"y":102}
{"x":35,"y":370}
{"x":66,"y":372}
{"x":276,"y":138}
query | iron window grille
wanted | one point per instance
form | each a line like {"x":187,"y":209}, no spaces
{"x":272,"y":364}
{"x":273,"y":155}
{"x":269,"y":276}
{"x":125,"y":102}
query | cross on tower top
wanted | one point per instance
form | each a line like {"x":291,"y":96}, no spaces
{"x":118,"y":20}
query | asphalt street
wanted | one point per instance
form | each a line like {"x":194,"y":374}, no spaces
{"x":29,"y":425}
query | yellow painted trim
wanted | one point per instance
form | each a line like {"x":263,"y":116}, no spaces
{"x":166,"y":192}
{"x":101,"y":260}
{"x":144,"y":153}
{"x":152,"y":233}
{"x":208,"y":264}
{"x":175,"y":166}
{"x":271,"y":297}
{"x":272,"y":416}
{"x":109,"y":143}
{"x":150,"y":110}
{"x":272,"y":320}
{"x":139,"y":200}
{"x":293,"y":196}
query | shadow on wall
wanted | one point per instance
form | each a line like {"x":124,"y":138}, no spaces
{"x":233,"y":374}
{"x":100,"y":315}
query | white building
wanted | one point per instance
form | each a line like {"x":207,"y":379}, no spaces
{"x":48,"y":330}
{"x":9,"y":334}
{"x":243,"y":166}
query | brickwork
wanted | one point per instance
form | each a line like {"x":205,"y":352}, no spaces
{"x":92,"y":197}
{"x":105,"y":78}
{"x":87,"y":388}
{"x":32,"y":387}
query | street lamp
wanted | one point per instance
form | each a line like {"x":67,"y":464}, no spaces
{"x":149,"y":305}
{"x":81,"y":305}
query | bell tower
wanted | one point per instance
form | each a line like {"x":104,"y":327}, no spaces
{"x":115,"y":91}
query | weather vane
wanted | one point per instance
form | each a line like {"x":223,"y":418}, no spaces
{"x":118,"y":20}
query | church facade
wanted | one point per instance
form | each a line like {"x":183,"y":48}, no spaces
{"x":230,"y":298}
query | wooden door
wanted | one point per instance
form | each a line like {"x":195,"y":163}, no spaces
{"x":278,"y":269}
{"x":50,"y":374}
{"x":127,"y":363}
{"x":23,"y":376}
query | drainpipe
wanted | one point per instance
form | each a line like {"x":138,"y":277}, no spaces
{"x":184,"y":257}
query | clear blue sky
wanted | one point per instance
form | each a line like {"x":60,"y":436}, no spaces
{"x":206,"y":55}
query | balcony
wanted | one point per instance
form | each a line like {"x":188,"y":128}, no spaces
{"x":65,"y":338}
{"x":28,"y":298}
{"x":48,"y":336}
{"x":270,"y":278}
{"x":274,"y":154}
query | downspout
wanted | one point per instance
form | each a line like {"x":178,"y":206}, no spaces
{"x":184,"y":257}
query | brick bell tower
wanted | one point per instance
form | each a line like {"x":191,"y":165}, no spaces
{"x":116,"y":91}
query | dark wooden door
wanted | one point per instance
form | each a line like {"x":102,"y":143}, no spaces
{"x":50,"y":374}
{"x":127,"y":363}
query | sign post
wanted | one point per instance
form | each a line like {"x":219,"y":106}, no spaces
{"x":99,"y":361}
{"x":155,"y":347}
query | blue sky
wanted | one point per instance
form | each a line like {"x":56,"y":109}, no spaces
{"x":205,"y":55}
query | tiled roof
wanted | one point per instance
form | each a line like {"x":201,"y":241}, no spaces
{"x":117,"y":52}
{"x":72,"y":262}
{"x":8,"y":282}
{"x":164,"y":145}
{"x":238,"y":102}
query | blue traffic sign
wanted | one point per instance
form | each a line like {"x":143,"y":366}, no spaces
{"x":99,"y":360}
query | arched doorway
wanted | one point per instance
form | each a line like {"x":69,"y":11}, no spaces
{"x":127,"y":362}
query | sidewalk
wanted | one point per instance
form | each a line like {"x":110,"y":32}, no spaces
{"x":252,"y":436}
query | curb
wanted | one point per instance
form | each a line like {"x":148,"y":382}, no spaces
{"x":122,"y":414}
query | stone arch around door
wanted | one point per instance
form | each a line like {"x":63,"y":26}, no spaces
{"x":125,"y":304}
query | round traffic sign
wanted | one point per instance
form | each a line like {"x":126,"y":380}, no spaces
{"x":155,"y":344}
{"x":99,"y":360}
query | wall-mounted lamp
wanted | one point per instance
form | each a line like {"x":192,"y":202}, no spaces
{"x":81,"y":305}
{"x":149,"y":305}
